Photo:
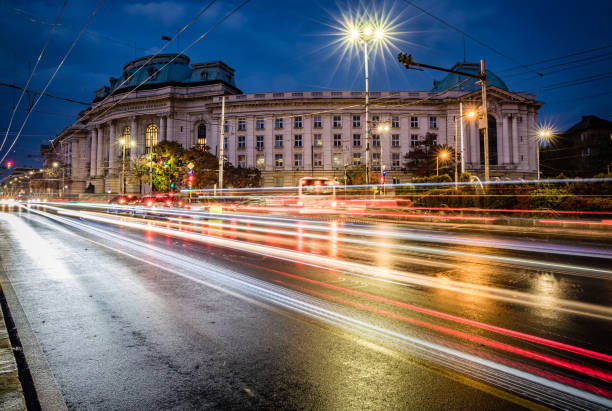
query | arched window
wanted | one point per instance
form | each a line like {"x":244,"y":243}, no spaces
{"x":126,"y":137}
{"x":202,"y":136}
{"x":150,"y":137}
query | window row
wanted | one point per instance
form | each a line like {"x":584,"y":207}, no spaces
{"x":298,"y":141}
{"x":317,"y":160}
{"x":317,"y":122}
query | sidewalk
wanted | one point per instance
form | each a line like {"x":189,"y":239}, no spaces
{"x":11,"y":393}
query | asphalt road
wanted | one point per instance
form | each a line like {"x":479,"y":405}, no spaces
{"x":239,"y":311}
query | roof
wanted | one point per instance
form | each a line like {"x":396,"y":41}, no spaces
{"x":451,"y":80}
{"x":589,"y":123}
{"x":156,"y":71}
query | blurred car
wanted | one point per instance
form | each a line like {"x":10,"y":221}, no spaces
{"x":127,"y":199}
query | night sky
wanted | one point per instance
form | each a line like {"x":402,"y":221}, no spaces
{"x":292,"y":45}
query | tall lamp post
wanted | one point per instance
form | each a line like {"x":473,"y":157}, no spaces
{"x":543,"y":134}
{"x":382,"y":128}
{"x":364,"y":34}
{"x":56,"y":165}
{"x":469,"y":115}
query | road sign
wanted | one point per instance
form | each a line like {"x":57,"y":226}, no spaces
{"x":190,"y":166}
{"x":384,"y":173}
{"x":190,"y":171}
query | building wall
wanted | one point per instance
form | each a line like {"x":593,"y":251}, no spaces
{"x":178,"y":111}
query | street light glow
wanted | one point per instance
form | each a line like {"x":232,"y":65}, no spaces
{"x":471,"y":114}
{"x":379,"y":34}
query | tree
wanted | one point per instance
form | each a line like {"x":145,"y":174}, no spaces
{"x":421,"y":160}
{"x":167,"y":163}
{"x":140,"y":168}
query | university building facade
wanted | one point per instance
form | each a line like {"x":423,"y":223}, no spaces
{"x":288,"y":135}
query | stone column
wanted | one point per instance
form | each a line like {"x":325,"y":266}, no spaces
{"x":100,"y":152}
{"x":506,"y":140}
{"x":112,"y":148}
{"x":162,"y":128}
{"x":474,"y":145}
{"x":170,"y":131}
{"x":75,"y":159}
{"x":515,"y":141}
{"x":93,"y":154}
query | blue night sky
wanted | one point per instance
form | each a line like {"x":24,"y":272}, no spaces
{"x":290,"y":45}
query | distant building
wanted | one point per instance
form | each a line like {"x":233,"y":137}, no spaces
{"x":584,"y":150}
{"x":287,"y":134}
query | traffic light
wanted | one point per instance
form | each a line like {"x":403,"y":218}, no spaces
{"x":171,"y":185}
{"x":382,"y":179}
{"x":9,"y":164}
{"x":190,"y":181}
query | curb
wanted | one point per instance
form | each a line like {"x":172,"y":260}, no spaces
{"x":11,"y":391}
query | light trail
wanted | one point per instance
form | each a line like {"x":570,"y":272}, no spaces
{"x":438,"y":314}
{"x":515,"y":297}
{"x":509,"y":378}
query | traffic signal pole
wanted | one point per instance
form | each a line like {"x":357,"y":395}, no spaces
{"x":407,"y":61}
{"x":221,"y":142}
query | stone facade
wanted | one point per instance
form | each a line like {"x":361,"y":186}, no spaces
{"x":287,"y":135}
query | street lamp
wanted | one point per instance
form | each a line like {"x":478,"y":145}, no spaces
{"x":470,"y":114}
{"x":382,"y":128}
{"x":442,"y":155}
{"x":542,"y":134}
{"x":364,"y":34}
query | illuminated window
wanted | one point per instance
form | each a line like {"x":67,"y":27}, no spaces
{"x":150,"y":137}
{"x":337,"y":160}
{"x":242,"y":160}
{"x":375,"y":159}
{"x":317,"y":141}
{"x":356,"y":159}
{"x":278,"y":160}
{"x":202,"y":136}
{"x":126,"y":137}
{"x":260,"y":160}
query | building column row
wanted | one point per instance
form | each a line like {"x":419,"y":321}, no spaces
{"x":93,"y":152}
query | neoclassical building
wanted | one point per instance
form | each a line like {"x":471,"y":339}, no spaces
{"x":288,"y":135}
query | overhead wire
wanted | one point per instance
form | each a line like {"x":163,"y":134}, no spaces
{"x":42,"y":52}
{"x":52,"y":77}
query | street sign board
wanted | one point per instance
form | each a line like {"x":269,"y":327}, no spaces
{"x":190,"y":171}
{"x":384,"y":173}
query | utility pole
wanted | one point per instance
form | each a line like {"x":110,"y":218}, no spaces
{"x":456,"y":165}
{"x":407,"y":61}
{"x":461,"y":131}
{"x":485,"y":118}
{"x":367,"y":112}
{"x":221,"y":142}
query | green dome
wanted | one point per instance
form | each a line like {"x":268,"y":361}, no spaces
{"x":453,"y":79}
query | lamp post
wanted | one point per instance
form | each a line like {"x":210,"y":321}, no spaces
{"x":382,"y":128}
{"x":469,"y":115}
{"x":543,"y":134}
{"x":364,"y":34}
{"x":443,"y":156}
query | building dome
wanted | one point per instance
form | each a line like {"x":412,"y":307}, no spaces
{"x":177,"y":71}
{"x":453,"y":79}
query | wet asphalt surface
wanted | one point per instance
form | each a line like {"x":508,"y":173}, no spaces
{"x":128,"y":329}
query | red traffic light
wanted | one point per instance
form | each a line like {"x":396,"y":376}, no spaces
{"x":9,"y":164}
